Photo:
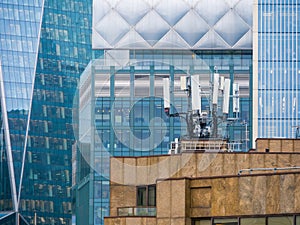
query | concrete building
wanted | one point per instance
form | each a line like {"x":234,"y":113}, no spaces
{"x":202,"y":188}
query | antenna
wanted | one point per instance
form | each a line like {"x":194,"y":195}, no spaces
{"x":215,"y":89}
{"x":221,"y":87}
{"x":236,"y":100}
{"x":183,"y":83}
{"x":166,"y":92}
{"x":226,"y":96}
{"x":195,"y":89}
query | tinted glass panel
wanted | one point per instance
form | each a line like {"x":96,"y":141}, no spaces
{"x":298,"y":220}
{"x":225,"y":221}
{"x":142,"y":196}
{"x":203,"y":222}
{"x":253,"y":221}
{"x":280,"y":220}
{"x":151,"y":196}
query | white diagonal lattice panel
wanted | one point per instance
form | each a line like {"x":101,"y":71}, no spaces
{"x":152,"y":28}
{"x":191,"y":27}
{"x":112,"y":34}
{"x":172,"y":24}
{"x":172,"y":14}
{"x":211,"y":40}
{"x":211,"y":14}
{"x":133,"y":12}
{"x":231,"y":28}
{"x":242,"y":7}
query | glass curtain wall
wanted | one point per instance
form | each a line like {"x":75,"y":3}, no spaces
{"x":278,"y":68}
{"x":122,"y":112}
{"x":64,"y":52}
{"x":20,"y":23}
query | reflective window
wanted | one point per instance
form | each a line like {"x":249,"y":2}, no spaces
{"x":297,"y":220}
{"x":225,"y":222}
{"x":142,"y":196}
{"x":253,"y":221}
{"x":203,"y":222}
{"x":280,"y":220}
{"x":146,"y":196}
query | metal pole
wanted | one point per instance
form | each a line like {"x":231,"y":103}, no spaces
{"x":246,"y":133}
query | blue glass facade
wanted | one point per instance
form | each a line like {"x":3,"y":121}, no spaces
{"x":20,"y":24}
{"x":121,"y":113}
{"x":44,"y":47}
{"x":278,"y":68}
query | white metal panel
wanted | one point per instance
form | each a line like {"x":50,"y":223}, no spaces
{"x":166,"y":83}
{"x":236,"y":99}
{"x":226,"y":96}
{"x":195,"y":89}
{"x":215,"y":89}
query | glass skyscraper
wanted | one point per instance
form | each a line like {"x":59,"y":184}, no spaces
{"x":44,"y":47}
{"x":276,"y":68}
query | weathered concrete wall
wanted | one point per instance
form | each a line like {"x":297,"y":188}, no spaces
{"x":121,"y":196}
{"x":130,"y":221}
{"x":228,"y":196}
{"x":146,"y":170}
{"x":180,"y":200}
{"x":278,"y":145}
{"x":181,"y":195}
{"x":173,"y":202}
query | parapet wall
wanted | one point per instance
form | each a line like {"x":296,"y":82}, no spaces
{"x":129,"y":172}
{"x":277,"y":145}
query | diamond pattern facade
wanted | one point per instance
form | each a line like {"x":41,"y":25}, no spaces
{"x":172,"y":24}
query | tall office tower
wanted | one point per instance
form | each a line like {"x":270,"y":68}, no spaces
{"x":276,"y":68}
{"x":45,"y":45}
{"x":122,"y":110}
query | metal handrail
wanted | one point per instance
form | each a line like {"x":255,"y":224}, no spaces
{"x":275,"y":169}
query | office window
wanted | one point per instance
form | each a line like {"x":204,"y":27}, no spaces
{"x":141,"y":196}
{"x":146,"y":195}
{"x":151,"y":195}
{"x":298,"y":220}
{"x":253,"y":221}
{"x":202,"y":222}
{"x":280,"y":220}
{"x":233,"y":221}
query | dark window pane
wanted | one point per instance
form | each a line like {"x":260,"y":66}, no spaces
{"x":141,"y":196}
{"x":298,"y":220}
{"x":253,"y":221}
{"x":151,"y":196}
{"x":203,"y":222}
{"x":280,"y":220}
{"x":225,"y":221}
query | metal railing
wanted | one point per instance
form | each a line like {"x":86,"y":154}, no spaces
{"x":209,"y":145}
{"x":267,"y":169}
{"x":137,"y":211}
